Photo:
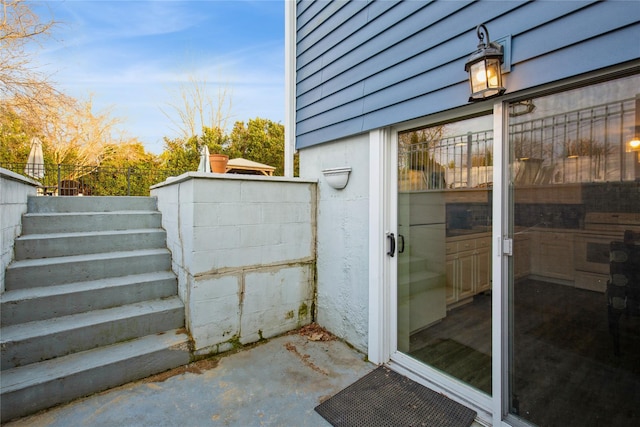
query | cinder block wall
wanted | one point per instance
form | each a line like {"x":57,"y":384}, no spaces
{"x":243,"y":248}
{"x":14,"y":191}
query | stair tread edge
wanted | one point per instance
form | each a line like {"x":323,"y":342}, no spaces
{"x":35,"y":373}
{"x":88,"y":257}
{"x":40,"y":236}
{"x":38,"y":328}
{"x":15,"y":295}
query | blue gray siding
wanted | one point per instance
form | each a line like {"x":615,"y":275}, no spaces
{"x":366,"y":64}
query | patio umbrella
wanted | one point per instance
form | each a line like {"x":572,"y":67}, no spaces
{"x":35,"y":163}
{"x":204,"y":165}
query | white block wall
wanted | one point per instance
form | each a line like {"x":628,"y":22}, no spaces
{"x":14,"y":190}
{"x":243,"y":248}
{"x":343,"y":238}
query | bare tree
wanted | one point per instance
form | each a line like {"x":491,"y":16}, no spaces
{"x":198,"y":108}
{"x":23,"y":88}
{"x":71,"y":131}
{"x":79,"y":135}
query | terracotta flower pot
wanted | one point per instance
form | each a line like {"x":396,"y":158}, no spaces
{"x":218,"y":163}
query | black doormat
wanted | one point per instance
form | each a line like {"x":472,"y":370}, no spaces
{"x":385,"y":398}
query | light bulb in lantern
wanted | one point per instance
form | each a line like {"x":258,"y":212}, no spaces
{"x":492,"y":77}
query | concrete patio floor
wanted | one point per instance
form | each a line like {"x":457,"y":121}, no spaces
{"x":275,"y":383}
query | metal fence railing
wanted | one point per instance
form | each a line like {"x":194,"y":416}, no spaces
{"x":461,"y":161}
{"x":582,"y":145}
{"x":76,"y":180}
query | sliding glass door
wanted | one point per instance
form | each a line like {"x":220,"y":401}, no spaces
{"x":444,"y":195}
{"x":574,"y":293}
{"x":564,"y":348}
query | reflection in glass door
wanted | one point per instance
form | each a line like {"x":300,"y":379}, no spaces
{"x":575,"y":277}
{"x":444,"y":248}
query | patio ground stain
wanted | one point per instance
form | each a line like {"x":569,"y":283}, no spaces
{"x":192,"y":368}
{"x":272,"y":383}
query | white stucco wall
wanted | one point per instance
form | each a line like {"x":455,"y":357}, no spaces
{"x":343,"y":238}
{"x":243,"y":248}
{"x":14,"y":191}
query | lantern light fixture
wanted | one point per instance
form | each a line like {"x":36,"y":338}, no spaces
{"x":634,"y":143}
{"x":485,"y":68}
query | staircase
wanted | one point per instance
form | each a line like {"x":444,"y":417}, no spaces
{"x":90,"y":302}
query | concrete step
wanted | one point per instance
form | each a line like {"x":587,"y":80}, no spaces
{"x":34,"y":246}
{"x":33,"y":304}
{"x":33,"y":342}
{"x":71,"y":222}
{"x":34,"y":273}
{"x":90,"y":302}
{"x":28,"y":389}
{"x":91,"y":204}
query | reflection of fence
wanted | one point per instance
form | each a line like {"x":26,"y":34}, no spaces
{"x":584,"y":145}
{"x":75,"y":180}
{"x":463,"y":161}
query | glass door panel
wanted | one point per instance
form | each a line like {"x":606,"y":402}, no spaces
{"x":445,"y":175}
{"x":574,"y":292}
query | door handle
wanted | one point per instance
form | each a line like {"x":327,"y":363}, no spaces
{"x":401,"y":237}
{"x":392,"y":244}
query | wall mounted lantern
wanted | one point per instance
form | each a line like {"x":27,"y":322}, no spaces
{"x":484,"y":68}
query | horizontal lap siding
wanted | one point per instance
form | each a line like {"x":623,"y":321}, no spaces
{"x":363,"y":65}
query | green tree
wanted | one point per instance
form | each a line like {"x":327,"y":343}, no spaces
{"x":215,"y":139}
{"x":25,"y":93}
{"x":14,"y":137}
{"x":181,"y":154}
{"x":71,"y":132}
{"x":259,"y":140}
{"x":127,"y":169}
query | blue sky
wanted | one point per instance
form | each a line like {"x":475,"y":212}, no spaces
{"x":133,"y":57}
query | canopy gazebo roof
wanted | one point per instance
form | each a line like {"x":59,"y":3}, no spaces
{"x":244,"y":166}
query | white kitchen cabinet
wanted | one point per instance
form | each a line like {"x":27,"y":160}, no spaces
{"x":466,"y":284}
{"x":552,"y":255}
{"x":451,"y":292}
{"x":468,"y":268}
{"x":483,"y":269}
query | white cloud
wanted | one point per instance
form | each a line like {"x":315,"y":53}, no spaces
{"x":132,"y":55}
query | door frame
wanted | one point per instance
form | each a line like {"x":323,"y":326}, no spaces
{"x":382,"y":164}
{"x":382,"y":348}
